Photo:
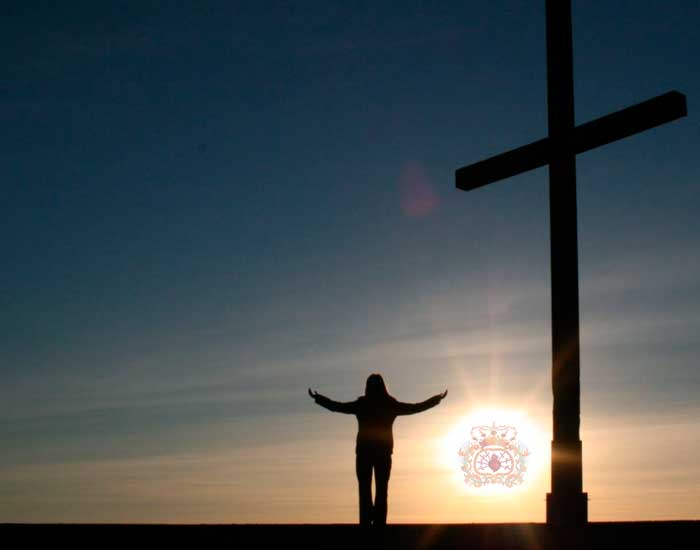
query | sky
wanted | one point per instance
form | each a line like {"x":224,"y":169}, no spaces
{"x":208,"y":207}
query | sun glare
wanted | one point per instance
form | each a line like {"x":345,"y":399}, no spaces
{"x":495,"y":452}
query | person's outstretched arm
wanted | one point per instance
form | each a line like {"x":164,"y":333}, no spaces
{"x":336,"y":406}
{"x":413,"y":408}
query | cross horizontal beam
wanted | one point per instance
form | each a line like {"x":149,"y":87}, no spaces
{"x":601,"y":131}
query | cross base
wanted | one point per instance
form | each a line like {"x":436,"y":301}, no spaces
{"x":567,"y":509}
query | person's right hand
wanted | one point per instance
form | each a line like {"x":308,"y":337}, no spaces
{"x":442,"y":395}
{"x":313,"y":394}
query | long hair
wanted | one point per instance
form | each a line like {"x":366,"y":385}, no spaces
{"x":375,"y":388}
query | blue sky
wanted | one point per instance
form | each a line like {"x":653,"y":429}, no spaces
{"x":208,"y":208}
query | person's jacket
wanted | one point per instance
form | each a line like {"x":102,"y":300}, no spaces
{"x":375,"y":418}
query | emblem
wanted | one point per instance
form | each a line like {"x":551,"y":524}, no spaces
{"x":494,"y":455}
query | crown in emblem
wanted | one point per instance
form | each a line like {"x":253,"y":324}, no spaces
{"x":494,"y":436}
{"x":493,"y":441}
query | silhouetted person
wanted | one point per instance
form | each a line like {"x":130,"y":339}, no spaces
{"x":375,"y":412}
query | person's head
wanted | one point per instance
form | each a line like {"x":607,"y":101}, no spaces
{"x":375,"y":386}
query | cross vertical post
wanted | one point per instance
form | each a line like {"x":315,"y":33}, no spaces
{"x":566,"y":504}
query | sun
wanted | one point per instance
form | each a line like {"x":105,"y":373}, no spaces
{"x":495,"y":470}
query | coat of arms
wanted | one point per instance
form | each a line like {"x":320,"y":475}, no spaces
{"x":494,"y":455}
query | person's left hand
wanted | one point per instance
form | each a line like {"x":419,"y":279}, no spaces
{"x":442,"y":395}
{"x":314,"y":394}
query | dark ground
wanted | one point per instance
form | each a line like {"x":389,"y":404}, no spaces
{"x":657,"y":535}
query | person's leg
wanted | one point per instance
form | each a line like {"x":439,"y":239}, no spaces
{"x":363,"y":468}
{"x":382,"y":470}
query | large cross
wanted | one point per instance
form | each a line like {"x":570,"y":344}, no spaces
{"x":567,"y":503}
